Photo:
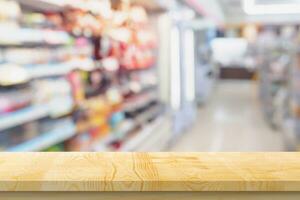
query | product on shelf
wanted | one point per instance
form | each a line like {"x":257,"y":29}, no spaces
{"x":18,"y":135}
{"x":76,"y":78}
{"x":9,"y":10}
{"x":15,"y":98}
{"x":55,"y":94}
{"x":56,"y":148}
{"x":29,"y":136}
{"x":279,"y":82}
{"x":11,"y":74}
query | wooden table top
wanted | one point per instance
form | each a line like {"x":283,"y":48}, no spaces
{"x":149,"y":172}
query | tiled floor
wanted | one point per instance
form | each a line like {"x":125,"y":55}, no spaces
{"x":231,"y":121}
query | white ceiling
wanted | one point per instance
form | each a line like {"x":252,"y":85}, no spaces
{"x":229,"y":11}
{"x":234,"y":13}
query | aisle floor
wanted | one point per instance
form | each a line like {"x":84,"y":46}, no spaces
{"x":231,"y":121}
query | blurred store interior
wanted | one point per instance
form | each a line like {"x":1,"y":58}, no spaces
{"x":149,"y":75}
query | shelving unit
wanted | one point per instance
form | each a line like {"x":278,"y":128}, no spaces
{"x":46,"y":140}
{"x":150,"y":137}
{"x":64,"y":74}
{"x":58,"y":69}
{"x":124,"y":130}
{"x":279,"y":87}
{"x":292,"y":124}
{"x":43,"y":5}
{"x":28,"y":37}
{"x":274,"y":82}
{"x":48,"y":46}
{"x":23,"y":116}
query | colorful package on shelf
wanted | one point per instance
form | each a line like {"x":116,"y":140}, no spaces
{"x":116,"y":119}
{"x":96,"y":83}
{"x":80,"y":142}
{"x":85,"y":140}
{"x":93,"y":113}
{"x":15,"y":98}
{"x":145,"y":39}
{"x":82,"y":23}
{"x":77,"y":86}
{"x":56,"y":93}
{"x":45,"y":46}
{"x":133,"y":57}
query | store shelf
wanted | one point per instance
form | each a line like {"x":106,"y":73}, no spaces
{"x":102,"y":145}
{"x":150,"y":114}
{"x":48,"y":48}
{"x":58,"y":69}
{"x":126,"y":127}
{"x":48,"y":70}
{"x":23,"y":116}
{"x":28,"y":45}
{"x":43,"y":5}
{"x":135,"y":105}
{"x":26,"y":37}
{"x":144,"y":135}
{"x":59,"y":5}
{"x":46,"y":140}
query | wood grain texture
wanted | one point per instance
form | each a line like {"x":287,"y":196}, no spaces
{"x":150,"y":172}
{"x":150,"y":195}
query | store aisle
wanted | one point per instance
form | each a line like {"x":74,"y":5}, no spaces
{"x":231,"y":121}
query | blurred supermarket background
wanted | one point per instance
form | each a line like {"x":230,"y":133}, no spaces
{"x":149,"y":75}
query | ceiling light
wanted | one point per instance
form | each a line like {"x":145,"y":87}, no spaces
{"x":252,"y":8}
